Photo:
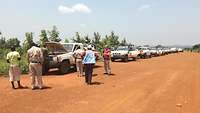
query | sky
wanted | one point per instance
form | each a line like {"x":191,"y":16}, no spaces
{"x":142,"y":22}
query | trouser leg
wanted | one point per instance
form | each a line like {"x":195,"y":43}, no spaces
{"x":90,"y":71}
{"x":19,"y":84}
{"x":86,"y":73}
{"x":81,"y":69}
{"x":12,"y":83}
{"x":105,"y":66}
{"x":39,"y":76}
{"x":33,"y":84}
{"x":108,"y":67}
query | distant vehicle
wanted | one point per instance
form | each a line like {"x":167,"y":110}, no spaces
{"x":124,"y":53}
{"x":144,"y":52}
{"x":57,"y":56}
{"x":160,"y":51}
{"x":174,"y":50}
{"x":180,"y":50}
{"x":154,"y":51}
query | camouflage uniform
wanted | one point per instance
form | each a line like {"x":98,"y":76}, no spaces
{"x":35,"y":58}
{"x":78,"y":54}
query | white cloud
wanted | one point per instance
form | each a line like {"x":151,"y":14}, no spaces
{"x":64,"y":9}
{"x":143,"y":7}
{"x":81,"y":8}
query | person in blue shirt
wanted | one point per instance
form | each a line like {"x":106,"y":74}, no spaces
{"x":89,"y":61}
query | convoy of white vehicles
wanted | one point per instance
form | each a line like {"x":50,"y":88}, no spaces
{"x":61,"y":55}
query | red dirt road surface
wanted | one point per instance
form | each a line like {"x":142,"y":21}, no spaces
{"x":166,"y":84}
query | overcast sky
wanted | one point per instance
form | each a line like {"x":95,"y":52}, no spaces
{"x":153,"y":22}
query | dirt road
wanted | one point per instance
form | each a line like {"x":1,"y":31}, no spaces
{"x":166,"y":84}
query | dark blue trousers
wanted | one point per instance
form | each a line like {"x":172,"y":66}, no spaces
{"x":88,"y":73}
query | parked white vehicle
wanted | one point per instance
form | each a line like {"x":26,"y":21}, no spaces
{"x":144,"y":52}
{"x":180,"y":50}
{"x":57,"y":56}
{"x":154,"y":51}
{"x":125,"y":53}
{"x":174,"y":50}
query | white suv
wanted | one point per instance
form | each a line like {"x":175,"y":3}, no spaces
{"x":144,"y":52}
{"x":125,"y":53}
{"x":57,"y":56}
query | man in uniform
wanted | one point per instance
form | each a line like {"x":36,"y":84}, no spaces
{"x":106,"y":56}
{"x":78,"y":54}
{"x":13,"y":58}
{"x":35,"y":60}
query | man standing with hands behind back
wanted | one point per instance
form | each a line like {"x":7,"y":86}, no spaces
{"x":35,"y":60}
{"x":106,"y":56}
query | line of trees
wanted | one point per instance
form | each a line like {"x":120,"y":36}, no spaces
{"x":112,"y":40}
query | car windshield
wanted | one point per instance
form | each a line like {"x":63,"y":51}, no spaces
{"x":68,"y":47}
{"x":122,"y":48}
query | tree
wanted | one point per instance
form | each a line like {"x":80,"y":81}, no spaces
{"x":97,"y":41}
{"x":43,"y":37}
{"x":159,"y":46}
{"x":12,"y":42}
{"x":77,"y":38}
{"x":54,"y":35}
{"x":195,"y":47}
{"x":123,"y":42}
{"x":113,"y":40}
{"x":2,"y":42}
{"x":28,"y":42}
{"x":66,"y":40}
{"x":87,"y":40}
{"x":97,"y":38}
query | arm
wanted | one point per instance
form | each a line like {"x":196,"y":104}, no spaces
{"x":7,"y":58}
{"x":41,"y":57}
{"x":28,"y":57}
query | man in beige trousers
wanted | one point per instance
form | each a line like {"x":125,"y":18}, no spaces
{"x":35,"y":60}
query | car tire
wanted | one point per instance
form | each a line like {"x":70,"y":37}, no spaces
{"x":64,"y":67}
{"x":112,"y":59}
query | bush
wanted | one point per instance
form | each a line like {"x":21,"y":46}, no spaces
{"x":24,"y":66}
{"x":4,"y":67}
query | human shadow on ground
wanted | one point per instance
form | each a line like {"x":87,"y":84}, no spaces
{"x":96,"y":83}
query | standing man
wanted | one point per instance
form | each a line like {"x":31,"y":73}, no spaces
{"x":89,"y":61}
{"x":35,"y":60}
{"x":106,"y":56}
{"x":78,"y":55}
{"x":13,"y":58}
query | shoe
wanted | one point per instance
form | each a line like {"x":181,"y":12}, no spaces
{"x":14,"y":88}
{"x":20,"y":87}
{"x":33,"y":88}
{"x":40,"y":88}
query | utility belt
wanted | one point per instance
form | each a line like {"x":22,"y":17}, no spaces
{"x":35,"y":62}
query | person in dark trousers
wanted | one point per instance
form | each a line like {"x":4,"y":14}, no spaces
{"x":89,"y":61}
